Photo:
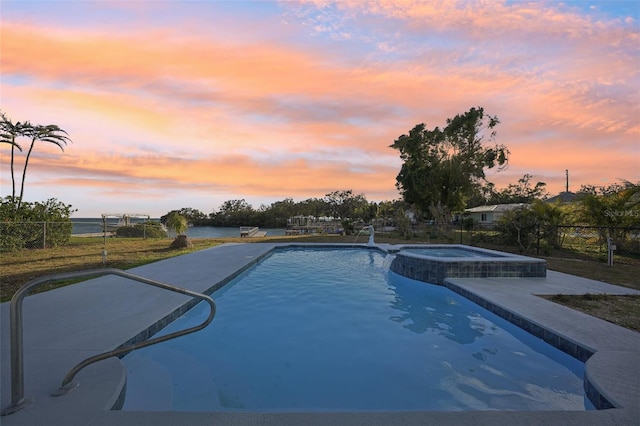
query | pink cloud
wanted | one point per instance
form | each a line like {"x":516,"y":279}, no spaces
{"x":265,"y":115}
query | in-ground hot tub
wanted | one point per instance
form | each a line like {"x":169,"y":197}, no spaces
{"x":435,"y":263}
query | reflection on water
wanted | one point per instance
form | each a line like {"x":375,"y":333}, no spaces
{"x":426,"y":308}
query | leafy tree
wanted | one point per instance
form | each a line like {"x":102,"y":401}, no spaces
{"x":386,"y":212}
{"x":483,"y":195}
{"x":313,"y":207}
{"x":518,"y":227}
{"x":521,"y":192}
{"x":370,"y":212}
{"x":533,"y":223}
{"x":550,"y":216}
{"x":277,"y":213}
{"x":402,"y":221}
{"x":613,"y":209}
{"x":234,"y":213}
{"x":348,"y":207}
{"x":442,"y":167}
{"x":192,"y":215}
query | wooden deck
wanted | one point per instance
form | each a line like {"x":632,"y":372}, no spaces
{"x":251,"y":231}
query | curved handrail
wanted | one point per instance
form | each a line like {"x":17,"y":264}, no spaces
{"x":17,"y":351}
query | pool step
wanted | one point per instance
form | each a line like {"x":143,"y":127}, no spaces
{"x":159,"y":375}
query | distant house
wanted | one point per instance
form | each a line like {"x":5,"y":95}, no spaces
{"x":563,"y":197}
{"x":488,"y":215}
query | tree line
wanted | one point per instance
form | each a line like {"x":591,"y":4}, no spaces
{"x":343,"y":205}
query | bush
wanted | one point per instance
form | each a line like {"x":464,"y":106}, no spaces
{"x":34,"y":225}
{"x":11,"y":238}
{"x":518,"y":227}
{"x":348,"y":227}
{"x":629,"y":246}
{"x":469,"y":224}
{"x":142,"y":230}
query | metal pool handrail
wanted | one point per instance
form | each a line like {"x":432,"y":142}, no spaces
{"x":16,"y":326}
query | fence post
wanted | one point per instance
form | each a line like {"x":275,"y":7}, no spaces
{"x":610,"y":249}
{"x":44,"y":235}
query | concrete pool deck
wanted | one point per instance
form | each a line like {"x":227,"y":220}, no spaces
{"x":64,"y":326}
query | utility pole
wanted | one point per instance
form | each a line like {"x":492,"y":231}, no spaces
{"x":566,"y":172}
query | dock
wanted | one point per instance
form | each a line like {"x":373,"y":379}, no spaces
{"x":251,"y":231}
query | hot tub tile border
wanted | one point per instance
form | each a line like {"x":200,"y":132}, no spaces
{"x":437,"y":270}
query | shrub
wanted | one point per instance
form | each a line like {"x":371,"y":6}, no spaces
{"x":142,"y":230}
{"x":34,"y":225}
{"x":518,"y":227}
{"x":469,"y":224}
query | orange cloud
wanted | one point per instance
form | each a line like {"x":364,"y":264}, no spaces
{"x":267,"y":115}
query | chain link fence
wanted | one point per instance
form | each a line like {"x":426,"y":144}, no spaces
{"x":33,"y":235}
{"x":626,"y":240}
{"x":536,"y":239}
{"x":42,"y":235}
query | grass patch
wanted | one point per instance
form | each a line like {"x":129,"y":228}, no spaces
{"x":621,"y":310}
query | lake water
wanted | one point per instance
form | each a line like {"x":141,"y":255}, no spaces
{"x":93,"y":225}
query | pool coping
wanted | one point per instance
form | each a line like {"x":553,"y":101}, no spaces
{"x":610,"y":371}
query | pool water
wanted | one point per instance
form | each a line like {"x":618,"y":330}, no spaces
{"x":450,"y":252}
{"x":332,"y":330}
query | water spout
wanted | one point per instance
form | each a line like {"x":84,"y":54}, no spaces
{"x":371,"y":232}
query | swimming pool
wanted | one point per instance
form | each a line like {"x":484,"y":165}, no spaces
{"x":455,"y":251}
{"x":332,"y":330}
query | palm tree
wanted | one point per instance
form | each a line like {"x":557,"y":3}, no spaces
{"x":8,"y":133}
{"x":177,"y":223}
{"x":50,"y":134}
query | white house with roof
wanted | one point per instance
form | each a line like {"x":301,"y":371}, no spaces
{"x":488,"y":215}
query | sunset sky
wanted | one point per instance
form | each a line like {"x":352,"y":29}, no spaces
{"x":173,"y":104}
